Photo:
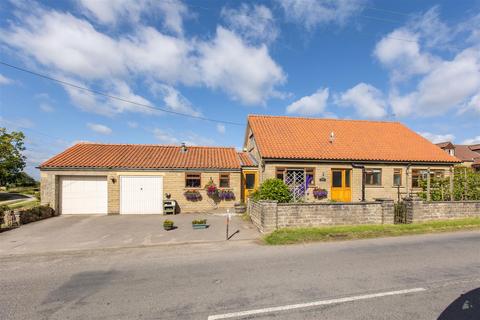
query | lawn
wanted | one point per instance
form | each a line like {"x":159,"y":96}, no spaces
{"x":24,"y":204}
{"x":302,"y":235}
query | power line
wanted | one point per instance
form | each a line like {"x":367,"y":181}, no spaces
{"x":117,"y":98}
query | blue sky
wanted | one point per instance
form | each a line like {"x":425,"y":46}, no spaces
{"x":417,"y":62}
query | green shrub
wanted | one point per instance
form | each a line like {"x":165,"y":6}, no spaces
{"x":273,"y":189}
{"x":35,"y":214}
{"x":200,"y":221}
{"x":466,"y":186}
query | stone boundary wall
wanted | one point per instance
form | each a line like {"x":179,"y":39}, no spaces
{"x":268,"y":216}
{"x":420,"y":211}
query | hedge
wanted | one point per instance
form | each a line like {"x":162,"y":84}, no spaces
{"x":35,"y":214}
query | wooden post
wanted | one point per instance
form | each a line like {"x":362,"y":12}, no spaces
{"x":452,"y":172}
{"x":407,"y":182}
{"x":428,"y":185}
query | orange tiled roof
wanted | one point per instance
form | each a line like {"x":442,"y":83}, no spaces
{"x":132,"y":156}
{"x":465,"y":153}
{"x":246,"y":160}
{"x":280,"y":137}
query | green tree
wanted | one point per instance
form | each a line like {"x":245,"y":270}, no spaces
{"x":273,"y":189}
{"x":12,"y":161}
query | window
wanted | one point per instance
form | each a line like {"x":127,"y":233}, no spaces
{"x":397,"y":177}
{"x":373,"y":177}
{"x":347,"y":178}
{"x":337,"y":179}
{"x":310,"y":176}
{"x":224,"y":180}
{"x":422,"y":174}
{"x":279,"y":173}
{"x":250,"y":181}
{"x":192,"y":180}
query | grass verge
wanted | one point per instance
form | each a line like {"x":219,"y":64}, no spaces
{"x":25,"y":204}
{"x":302,"y":235}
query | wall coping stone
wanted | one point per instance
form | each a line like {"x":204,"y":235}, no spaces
{"x":329,"y":203}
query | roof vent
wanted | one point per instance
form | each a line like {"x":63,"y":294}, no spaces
{"x":332,"y":137}
{"x":183,"y":147}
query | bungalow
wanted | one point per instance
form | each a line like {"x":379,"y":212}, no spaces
{"x":348,"y":160}
{"x":352,"y":160}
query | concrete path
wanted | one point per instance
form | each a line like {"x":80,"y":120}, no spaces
{"x":417,"y":277}
{"x":89,"y":232}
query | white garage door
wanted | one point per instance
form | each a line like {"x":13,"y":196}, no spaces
{"x":141,"y":194}
{"x":84,"y":195}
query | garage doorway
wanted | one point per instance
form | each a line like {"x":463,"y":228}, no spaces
{"x":83,"y":195}
{"x":141,"y":195}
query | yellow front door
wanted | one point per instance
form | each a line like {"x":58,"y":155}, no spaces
{"x":249,"y":183}
{"x":341,"y":181}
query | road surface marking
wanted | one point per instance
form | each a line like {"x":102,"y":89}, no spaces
{"x":312,"y":304}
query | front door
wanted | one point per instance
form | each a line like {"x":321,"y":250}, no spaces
{"x":250,"y":183}
{"x":341,"y":181}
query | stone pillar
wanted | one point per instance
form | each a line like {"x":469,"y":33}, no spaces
{"x":414,"y":210}
{"x":388,"y":210}
{"x":269,"y":216}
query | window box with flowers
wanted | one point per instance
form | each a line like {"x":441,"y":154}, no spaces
{"x":320,"y":193}
{"x":226,"y":194}
{"x":192,"y":195}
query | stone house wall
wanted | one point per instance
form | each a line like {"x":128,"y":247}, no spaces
{"x":173,"y":183}
{"x":324,"y":170}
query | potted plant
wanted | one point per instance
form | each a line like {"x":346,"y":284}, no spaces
{"x":320,"y":193}
{"x":211,"y":188}
{"x":200,"y":224}
{"x":168,"y":225}
{"x":240,"y":207}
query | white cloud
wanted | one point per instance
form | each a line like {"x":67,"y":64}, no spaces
{"x":221,"y":128}
{"x":437,"y":138}
{"x":450,"y":84}
{"x":46,"y":107}
{"x":255,"y":23}
{"x":74,"y":49}
{"x":172,"y":12}
{"x":367,"y":100}
{"x":310,"y":105}
{"x":165,"y":137}
{"x":474,"y":103}
{"x":247,"y":73}
{"x":4,"y":80}
{"x":474,"y":140}
{"x":99,"y":128}
{"x":189,"y":138}
{"x":174,"y":100}
{"x":312,"y":13}
{"x":403,"y":58}
{"x":132,"y":124}
{"x":90,"y":102}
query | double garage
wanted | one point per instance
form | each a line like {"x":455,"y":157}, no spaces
{"x":89,"y":194}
